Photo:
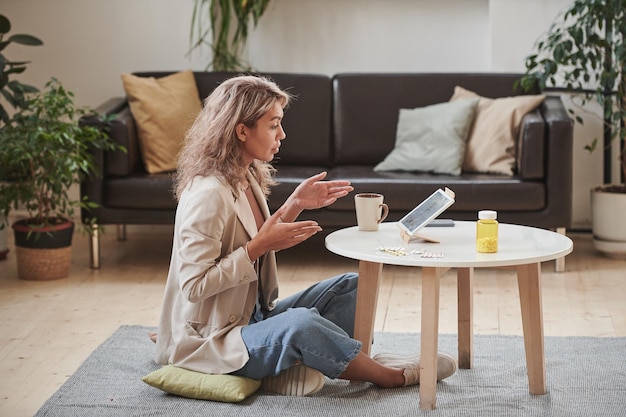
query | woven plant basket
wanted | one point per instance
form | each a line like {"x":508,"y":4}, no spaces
{"x":43,"y":253}
{"x":43,"y":264}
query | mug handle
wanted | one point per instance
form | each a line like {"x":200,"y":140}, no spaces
{"x":385,"y":212}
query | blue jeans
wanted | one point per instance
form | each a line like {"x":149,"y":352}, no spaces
{"x":313,"y":327}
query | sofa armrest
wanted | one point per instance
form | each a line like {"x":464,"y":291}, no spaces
{"x":531,"y":147}
{"x":115,"y":118}
{"x":123,"y":131}
{"x":120,"y":126}
{"x":559,"y":157}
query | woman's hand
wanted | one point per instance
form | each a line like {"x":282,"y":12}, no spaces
{"x":314,"y":193}
{"x":277,"y":235}
{"x":280,"y":232}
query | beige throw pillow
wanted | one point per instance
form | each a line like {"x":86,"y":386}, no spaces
{"x":492,"y":142}
{"x":164,"y":109}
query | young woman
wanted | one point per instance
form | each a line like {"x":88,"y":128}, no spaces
{"x":221,"y":313}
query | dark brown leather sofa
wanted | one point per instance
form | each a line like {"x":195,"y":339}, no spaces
{"x":345,"y":125}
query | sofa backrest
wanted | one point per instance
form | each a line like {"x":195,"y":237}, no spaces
{"x":307,"y":120}
{"x":366,"y":106}
{"x":351,"y":119}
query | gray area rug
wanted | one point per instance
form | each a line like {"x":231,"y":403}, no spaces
{"x":586,"y":377}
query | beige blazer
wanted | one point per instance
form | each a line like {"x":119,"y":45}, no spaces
{"x":211,"y":286}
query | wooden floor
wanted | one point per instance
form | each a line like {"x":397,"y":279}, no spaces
{"x":49,"y":328}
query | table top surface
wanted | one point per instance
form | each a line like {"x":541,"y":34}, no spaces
{"x":517,"y":245}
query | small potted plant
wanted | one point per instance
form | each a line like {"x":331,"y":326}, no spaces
{"x":13,"y":93}
{"x":49,"y":148}
{"x":585,"y":52}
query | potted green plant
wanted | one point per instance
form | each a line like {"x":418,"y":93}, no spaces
{"x":584,"y":51}
{"x":226,"y":44}
{"x":12,"y":95}
{"x":46,"y":143}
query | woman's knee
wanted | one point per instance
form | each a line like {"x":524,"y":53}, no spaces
{"x":304,"y":323}
{"x":345,"y":291}
{"x":302,"y":317}
{"x":353,"y":280}
{"x":349,"y":281}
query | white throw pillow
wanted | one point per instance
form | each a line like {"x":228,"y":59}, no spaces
{"x":431,"y":138}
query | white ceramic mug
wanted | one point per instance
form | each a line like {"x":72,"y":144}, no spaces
{"x":370,"y":211}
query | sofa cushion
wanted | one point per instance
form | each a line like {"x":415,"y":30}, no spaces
{"x":492,"y":142}
{"x":140,"y":191}
{"x":431,"y":138}
{"x":164,"y":109}
{"x":404,"y":190}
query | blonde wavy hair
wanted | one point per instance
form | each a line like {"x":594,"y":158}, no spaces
{"x":211,"y":145}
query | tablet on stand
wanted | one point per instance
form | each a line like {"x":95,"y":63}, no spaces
{"x":424,"y":213}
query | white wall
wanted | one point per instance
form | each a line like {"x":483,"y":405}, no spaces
{"x":88,"y":43}
{"x":331,"y":36}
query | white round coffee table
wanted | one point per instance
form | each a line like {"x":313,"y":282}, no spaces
{"x":521,"y":247}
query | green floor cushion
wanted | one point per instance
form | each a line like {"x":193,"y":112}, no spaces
{"x":191,"y":384}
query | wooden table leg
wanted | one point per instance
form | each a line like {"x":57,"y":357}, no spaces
{"x":430,"y":336}
{"x":366,"y":302}
{"x":465,"y":300}
{"x":529,"y":283}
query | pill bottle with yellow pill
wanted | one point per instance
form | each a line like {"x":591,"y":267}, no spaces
{"x":487,"y":232}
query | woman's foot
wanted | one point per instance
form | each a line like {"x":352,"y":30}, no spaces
{"x":299,"y":380}
{"x":446,"y":365}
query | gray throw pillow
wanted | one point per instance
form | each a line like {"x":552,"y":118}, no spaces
{"x":431,"y":138}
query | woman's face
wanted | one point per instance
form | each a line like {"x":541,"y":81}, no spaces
{"x":263,"y":140}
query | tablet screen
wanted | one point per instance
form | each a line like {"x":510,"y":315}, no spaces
{"x":426,"y":211}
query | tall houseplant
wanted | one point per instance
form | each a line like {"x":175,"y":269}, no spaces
{"x":48,"y":146}
{"x":225,"y":31}
{"x":584,"y":51}
{"x":12,"y":95}
{"x":13,"y":92}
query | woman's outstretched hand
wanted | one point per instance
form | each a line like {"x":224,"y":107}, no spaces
{"x":315,"y":193}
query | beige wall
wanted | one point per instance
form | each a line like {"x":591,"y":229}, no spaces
{"x":89,"y":43}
